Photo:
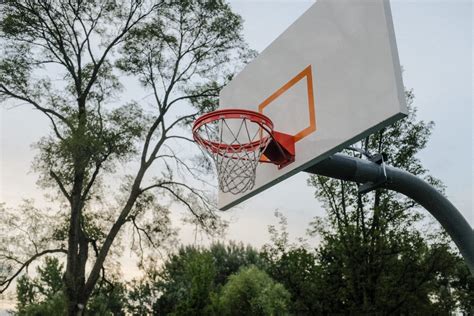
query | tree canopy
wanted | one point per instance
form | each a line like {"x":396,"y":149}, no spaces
{"x":280,"y":279}
{"x":44,"y":295}
{"x":375,"y":254}
{"x":187,"y":281}
{"x":251,"y":292}
{"x":71,"y":61}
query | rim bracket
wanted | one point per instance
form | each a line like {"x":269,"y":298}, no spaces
{"x":280,"y":150}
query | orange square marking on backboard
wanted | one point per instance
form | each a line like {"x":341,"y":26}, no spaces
{"x":306,"y":73}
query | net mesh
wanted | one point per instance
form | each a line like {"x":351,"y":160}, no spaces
{"x":236,"y":146}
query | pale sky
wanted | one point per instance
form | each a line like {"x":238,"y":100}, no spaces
{"x":434,"y":40}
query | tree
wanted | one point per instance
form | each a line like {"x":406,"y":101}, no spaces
{"x":296,"y":267}
{"x":251,"y":292}
{"x":187,"y":280}
{"x":44,"y":295}
{"x":463,"y":283}
{"x":186,"y":286}
{"x":373,"y":257}
{"x":298,"y":270}
{"x":421,"y":278}
{"x":377,"y":254}
{"x":182,"y":52}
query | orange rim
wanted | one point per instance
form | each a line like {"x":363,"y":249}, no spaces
{"x":258,"y":118}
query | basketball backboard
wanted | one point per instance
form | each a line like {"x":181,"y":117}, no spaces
{"x":330,"y":79}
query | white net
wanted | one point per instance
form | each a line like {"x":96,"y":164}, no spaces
{"x":236,"y":146}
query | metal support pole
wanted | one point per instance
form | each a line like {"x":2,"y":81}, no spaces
{"x":348,"y":168}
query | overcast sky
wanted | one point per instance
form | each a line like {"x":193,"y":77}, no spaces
{"x":435,"y":46}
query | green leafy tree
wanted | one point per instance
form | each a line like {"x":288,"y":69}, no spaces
{"x":44,"y":295}
{"x":141,"y":297}
{"x":377,"y":252}
{"x":463,"y":284}
{"x":231,"y":257}
{"x":296,"y":267}
{"x":373,"y":256}
{"x":298,"y":270}
{"x":186,"y":283}
{"x":187,"y":280}
{"x":422,"y":279}
{"x":251,"y":291}
{"x":109,"y":298}
{"x":181,"y":52}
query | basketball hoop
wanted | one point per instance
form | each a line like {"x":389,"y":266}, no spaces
{"x":237,"y":140}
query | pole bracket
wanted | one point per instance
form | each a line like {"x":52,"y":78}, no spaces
{"x":382,"y":179}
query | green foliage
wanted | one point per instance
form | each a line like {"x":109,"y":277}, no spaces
{"x":187,"y":287}
{"x":186,"y":281}
{"x":373,"y":257}
{"x":251,"y":292}
{"x":54,"y":306}
{"x":297,"y":269}
{"x":204,"y":37}
{"x":229,"y":258}
{"x":418,"y":277}
{"x":376,"y":254}
{"x":64,"y":59}
{"x":44,"y":295}
{"x":461,"y":282}
{"x":108,"y":299}
{"x":142,"y":296}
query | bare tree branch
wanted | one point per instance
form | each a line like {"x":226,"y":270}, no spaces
{"x":180,"y":119}
{"x":61,"y":185}
{"x":129,"y":24}
{"x":9,"y":93}
{"x":183,"y":201}
{"x":4,"y":284}
{"x":203,"y":94}
{"x":181,"y":138}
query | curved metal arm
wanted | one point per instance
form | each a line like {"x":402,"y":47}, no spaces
{"x":348,"y":168}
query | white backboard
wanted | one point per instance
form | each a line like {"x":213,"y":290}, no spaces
{"x":330,"y":79}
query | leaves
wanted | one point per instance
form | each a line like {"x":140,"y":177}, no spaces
{"x":190,"y":46}
{"x":373,"y":257}
{"x":62,"y":58}
{"x":188,"y":279}
{"x":25,"y":238}
{"x":251,"y":292}
{"x":44,"y":294}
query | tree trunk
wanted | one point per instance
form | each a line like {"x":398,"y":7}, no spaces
{"x":77,"y":240}
{"x":76,"y":306}
{"x":74,"y":278}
